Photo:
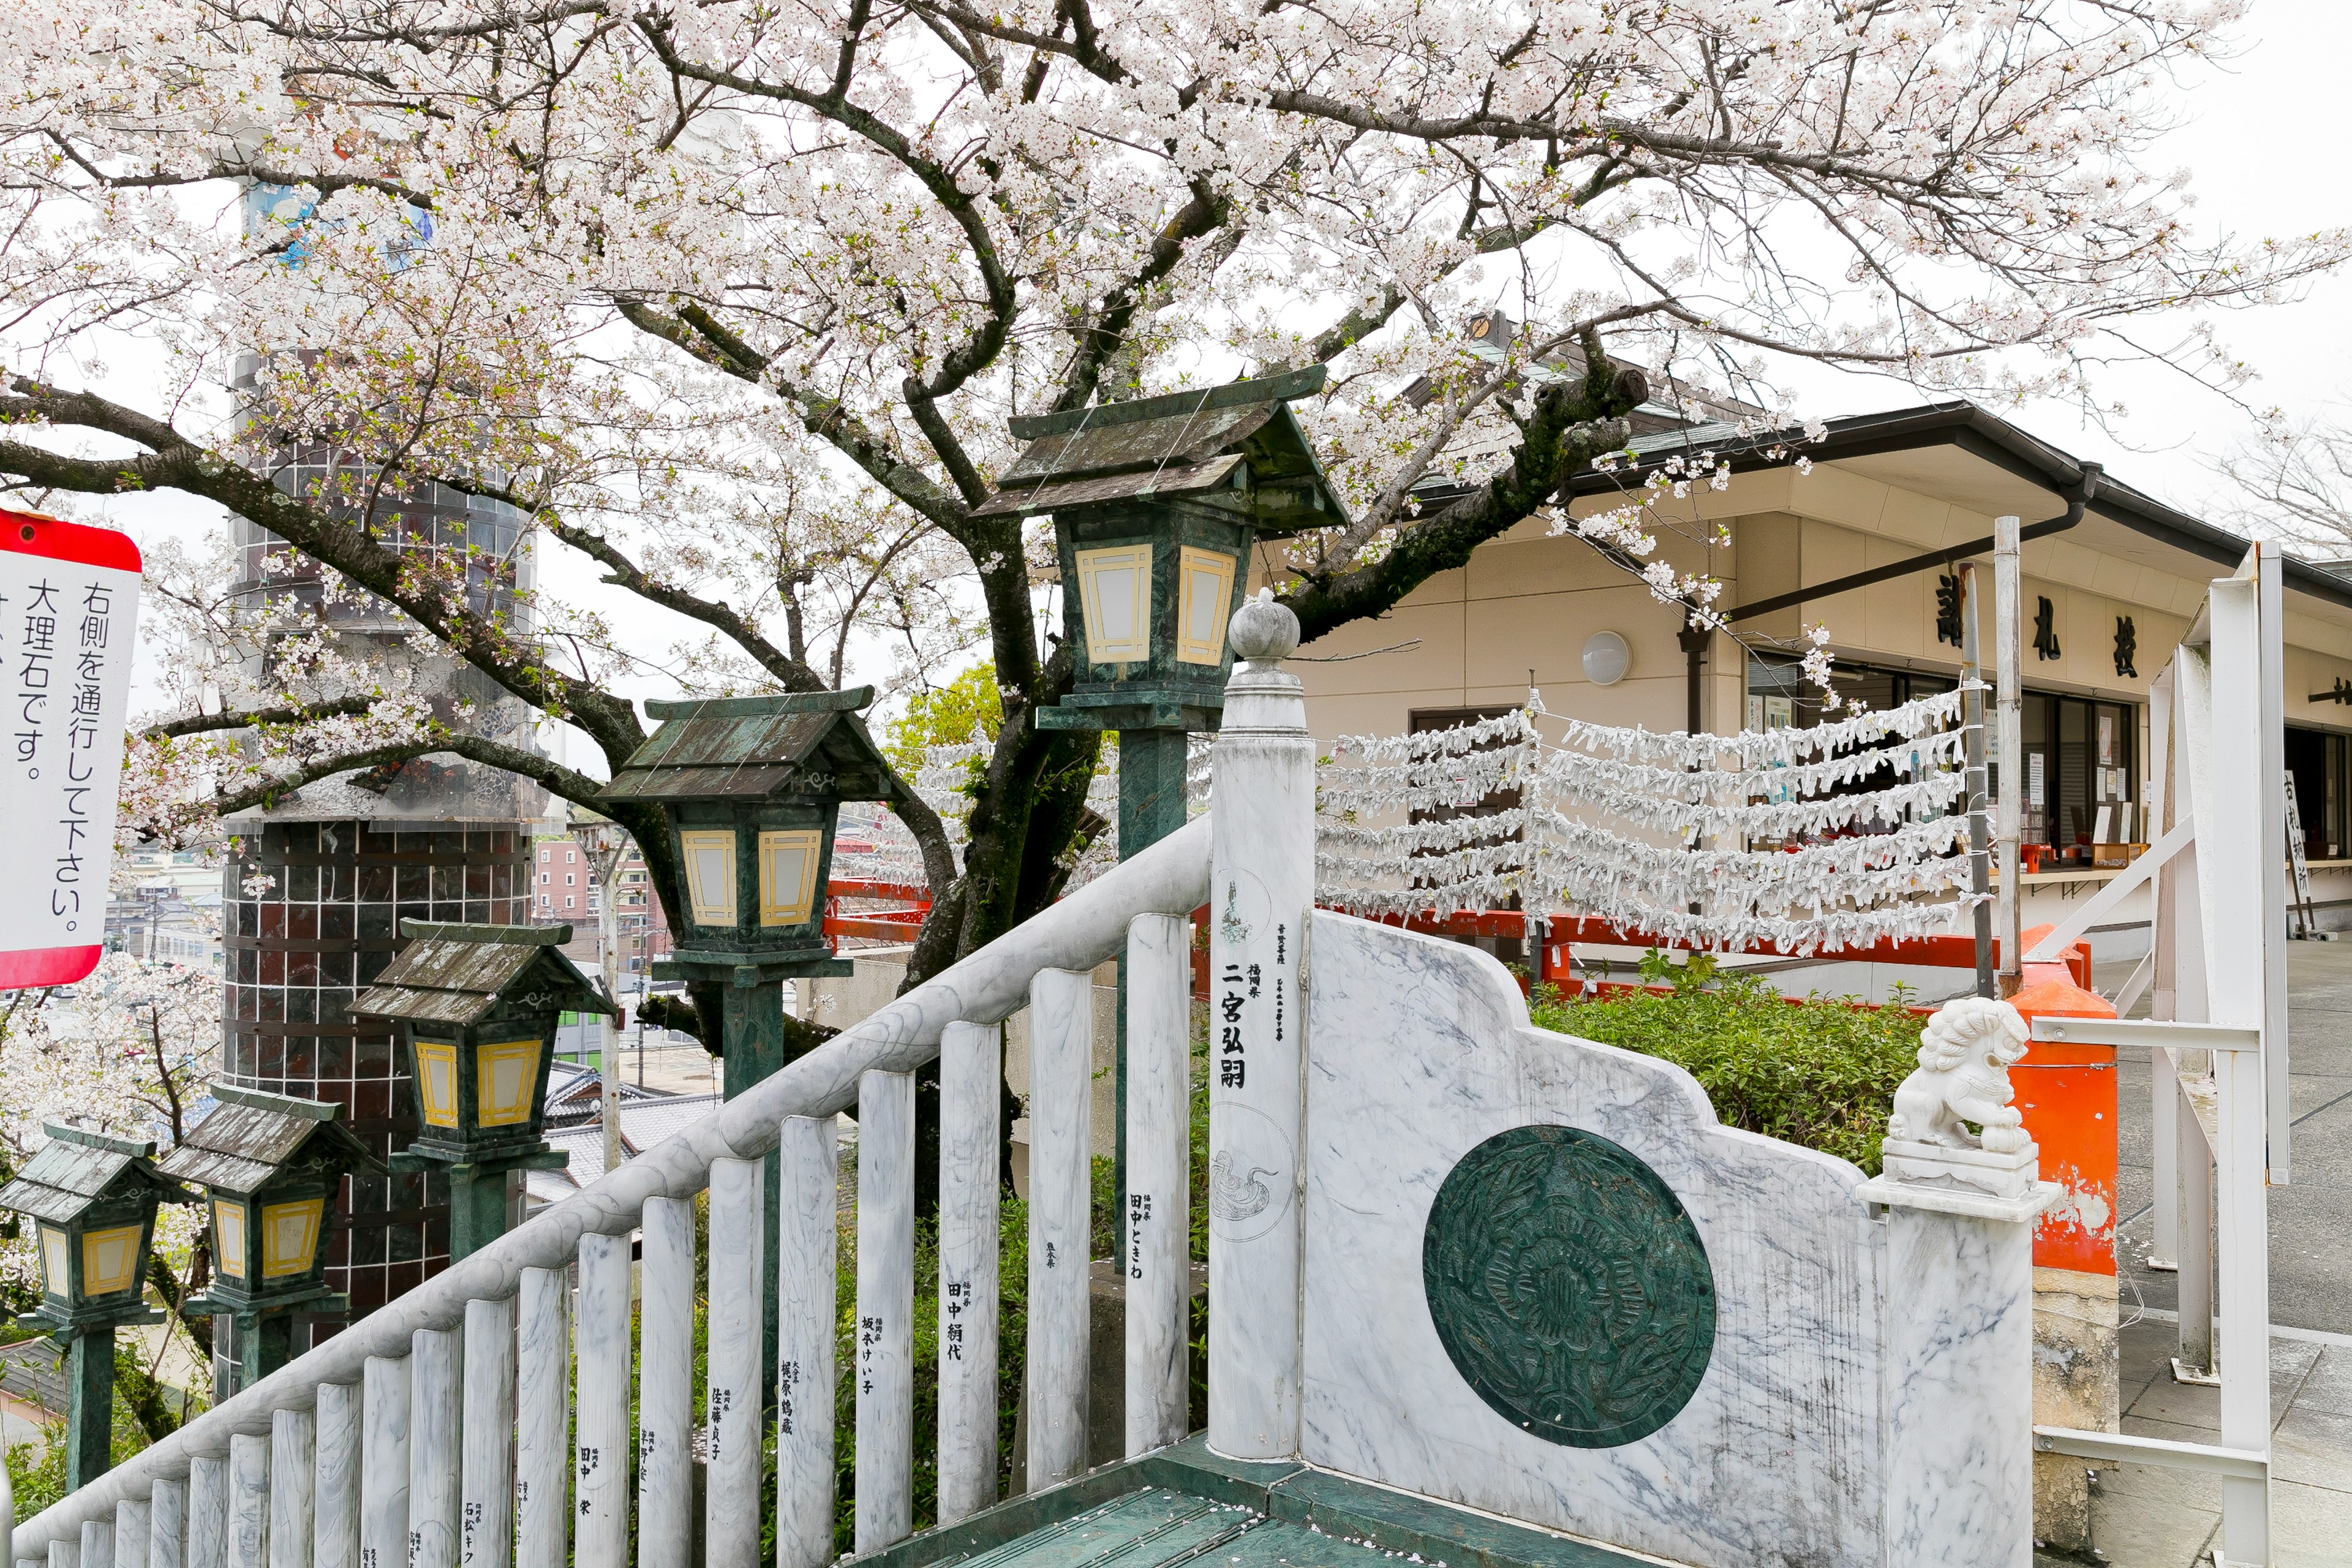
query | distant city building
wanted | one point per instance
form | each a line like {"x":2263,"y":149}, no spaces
{"x":565,"y":889}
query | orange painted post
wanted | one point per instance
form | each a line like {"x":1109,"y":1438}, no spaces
{"x":2066,"y":1094}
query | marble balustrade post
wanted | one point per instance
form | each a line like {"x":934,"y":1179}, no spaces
{"x":249,"y":1499}
{"x":98,"y":1543}
{"x":335,"y":1531}
{"x":436,"y":1450}
{"x":666,"y":1395}
{"x":1159,"y":1181}
{"x":736,"y":1363}
{"x":807,"y":1263}
{"x":208,"y":1511}
{"x":384,"y":1462}
{"x":167,"y":1524}
{"x":886,"y":1308}
{"x":486,"y":1509}
{"x":601,"y":1468}
{"x":65,"y":1554}
{"x":131,"y":1532}
{"x":970,"y":1097}
{"x":542,"y":1420}
{"x":1061,"y":1187}
{"x":293,"y":1487}
{"x":1261,"y":889}
{"x":1958,"y":1455}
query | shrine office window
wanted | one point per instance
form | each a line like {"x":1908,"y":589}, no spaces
{"x":2320,"y":762}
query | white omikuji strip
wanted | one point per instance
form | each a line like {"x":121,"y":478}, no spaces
{"x":435,"y":1456}
{"x":167,"y":1524}
{"x":884,"y":1344}
{"x":129,"y":1534}
{"x":970,"y":1080}
{"x":384,"y":1462}
{"x":1158,"y":1186}
{"x":486,"y":1485}
{"x":738,"y":1345}
{"x":208,"y":1511}
{"x":666,"y":1392}
{"x":98,"y":1543}
{"x":543,"y":1419}
{"x":1061,"y":1182}
{"x":293,"y":1487}
{"x":249,"y":1499}
{"x":335,"y":1531}
{"x":808,"y":1220}
{"x":601,"y":1473}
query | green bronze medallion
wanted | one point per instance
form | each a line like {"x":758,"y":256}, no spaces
{"x":1569,"y":1287}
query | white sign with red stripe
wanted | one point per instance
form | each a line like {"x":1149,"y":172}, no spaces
{"x":69,"y":623}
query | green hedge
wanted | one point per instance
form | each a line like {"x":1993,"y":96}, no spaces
{"x":1821,"y":1073}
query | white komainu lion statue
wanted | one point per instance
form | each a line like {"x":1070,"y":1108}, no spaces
{"x":1965,"y":1055}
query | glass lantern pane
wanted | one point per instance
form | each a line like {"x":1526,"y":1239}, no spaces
{"x":56,"y":1277}
{"x":507,"y":1073}
{"x":228,"y":1237}
{"x":436,"y":1081}
{"x":110,"y":1259}
{"x":289,"y":1233}
{"x":1204,"y":588}
{"x":788,"y":876}
{"x":709,"y":874}
{"x":1114,"y":600}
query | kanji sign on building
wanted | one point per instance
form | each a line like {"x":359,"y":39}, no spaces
{"x":69,"y":614}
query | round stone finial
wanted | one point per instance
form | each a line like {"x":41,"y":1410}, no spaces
{"x":1263,"y":631}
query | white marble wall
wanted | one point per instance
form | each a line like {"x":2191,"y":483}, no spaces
{"x":1419,"y":1051}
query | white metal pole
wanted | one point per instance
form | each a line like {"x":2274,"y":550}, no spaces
{"x":2009,"y":754}
{"x":1261,"y":892}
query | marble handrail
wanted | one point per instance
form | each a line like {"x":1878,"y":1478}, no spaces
{"x":1080,"y":932}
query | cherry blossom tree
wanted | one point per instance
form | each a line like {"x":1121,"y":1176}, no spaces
{"x":733,"y":300}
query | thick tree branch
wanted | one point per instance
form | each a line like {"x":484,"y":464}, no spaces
{"x":249,"y":718}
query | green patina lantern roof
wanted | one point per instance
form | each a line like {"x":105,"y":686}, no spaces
{"x":254,"y":1135}
{"x":1239,"y":437}
{"x":76,"y":1169}
{"x":749,"y":748}
{"x":455,"y":973}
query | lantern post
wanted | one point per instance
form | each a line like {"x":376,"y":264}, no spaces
{"x":272,"y":1167}
{"x":477,"y":1008}
{"x":92,"y":1198}
{"x":750,"y":790}
{"x":1156,"y":504}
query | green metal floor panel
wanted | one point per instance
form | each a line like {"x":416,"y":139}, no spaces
{"x":1184,"y":1505}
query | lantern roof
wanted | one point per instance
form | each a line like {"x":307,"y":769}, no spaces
{"x":76,"y":1169}
{"x":751,"y":748}
{"x":253,"y":1135}
{"x":455,"y":973}
{"x":1241,"y":439}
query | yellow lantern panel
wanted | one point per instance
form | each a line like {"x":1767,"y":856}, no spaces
{"x":505,"y":1075}
{"x":436,"y":1081}
{"x":110,"y":1259}
{"x":1115,"y":598}
{"x":709,"y":855}
{"x":1204,"y":586}
{"x":56,"y":1251}
{"x":289,"y":1234}
{"x":228,"y":1237}
{"x":788,"y":876}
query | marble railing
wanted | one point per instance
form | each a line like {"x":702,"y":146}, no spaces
{"x":440,"y":1429}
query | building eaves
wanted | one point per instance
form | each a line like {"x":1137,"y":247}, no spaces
{"x":1958,"y":423}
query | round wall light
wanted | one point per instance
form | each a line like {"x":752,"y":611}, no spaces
{"x":1606,"y":659}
